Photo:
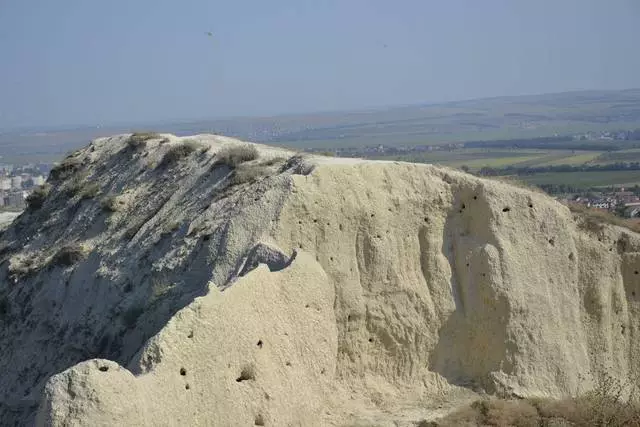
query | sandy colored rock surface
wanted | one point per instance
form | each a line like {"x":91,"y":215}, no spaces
{"x":319,"y":292}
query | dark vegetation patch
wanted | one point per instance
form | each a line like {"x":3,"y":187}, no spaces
{"x":5,"y":307}
{"x":36,"y":199}
{"x":69,"y":255}
{"x":64,"y":170}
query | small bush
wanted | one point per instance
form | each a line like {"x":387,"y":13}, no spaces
{"x":90,"y":191}
{"x":75,"y":185}
{"x":326,"y":153}
{"x":179,"y":152}
{"x":110,"y":203}
{"x":233,"y":156}
{"x":171,"y":227}
{"x":64,"y":170}
{"x":21,"y":266}
{"x":36,"y":199}
{"x":139,"y":139}
{"x":69,"y":255}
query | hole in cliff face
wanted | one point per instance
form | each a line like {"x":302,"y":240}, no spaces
{"x":463,"y":206}
{"x":552,"y":242}
{"x":187,"y":387}
{"x":183,"y":372}
{"x":259,"y":344}
{"x":633,"y":293}
{"x":370,"y":339}
{"x":475,"y":197}
{"x":530,"y":205}
{"x":571,"y":256}
{"x":288,"y":363}
{"x":635,"y":272}
{"x":247,"y":374}
{"x":340,"y":227}
{"x":190,"y":334}
{"x":506,"y":209}
{"x":259,"y":421}
{"x":103,"y":368}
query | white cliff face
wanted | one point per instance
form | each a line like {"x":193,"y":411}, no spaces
{"x":317,"y":292}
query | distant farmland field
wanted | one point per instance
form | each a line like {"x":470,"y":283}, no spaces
{"x":585,"y":179}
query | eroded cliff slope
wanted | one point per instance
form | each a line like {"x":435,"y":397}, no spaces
{"x":167,"y":282}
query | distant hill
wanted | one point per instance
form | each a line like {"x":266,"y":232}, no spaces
{"x":479,"y":119}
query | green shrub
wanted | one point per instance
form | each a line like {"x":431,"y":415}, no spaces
{"x":36,"y":199}
{"x":139,"y":139}
{"x":233,"y":156}
{"x":179,"y":152}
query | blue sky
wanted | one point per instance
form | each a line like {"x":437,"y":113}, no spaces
{"x":91,"y":62}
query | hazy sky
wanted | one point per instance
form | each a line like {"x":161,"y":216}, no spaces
{"x":88,"y":62}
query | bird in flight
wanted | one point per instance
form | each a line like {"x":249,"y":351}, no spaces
{"x":209,"y":33}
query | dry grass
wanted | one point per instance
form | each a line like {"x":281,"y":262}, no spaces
{"x":90,"y":190}
{"x":248,"y":174}
{"x":235,"y":155}
{"x":613,"y":403}
{"x":139,"y":139}
{"x":179,"y":152}
{"x":110,"y":203}
{"x":594,"y":220}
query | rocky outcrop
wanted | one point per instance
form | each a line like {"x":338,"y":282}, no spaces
{"x":152,"y":288}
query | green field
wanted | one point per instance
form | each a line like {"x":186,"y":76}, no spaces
{"x":586,"y":179}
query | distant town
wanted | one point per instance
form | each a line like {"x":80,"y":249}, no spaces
{"x":17,"y":182}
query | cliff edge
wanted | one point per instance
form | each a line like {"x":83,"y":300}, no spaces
{"x":160,"y":280}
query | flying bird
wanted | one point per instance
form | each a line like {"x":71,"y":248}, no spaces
{"x":209,"y":33}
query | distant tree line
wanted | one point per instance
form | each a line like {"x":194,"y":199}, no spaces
{"x":566,"y":142}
